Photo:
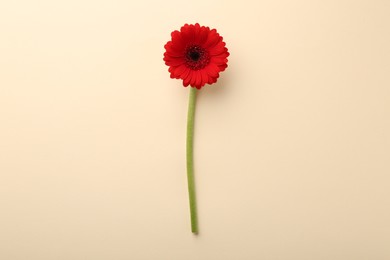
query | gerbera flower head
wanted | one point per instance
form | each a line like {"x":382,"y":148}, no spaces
{"x":196,"y":54}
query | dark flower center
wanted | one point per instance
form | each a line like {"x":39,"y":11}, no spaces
{"x":196,"y":57}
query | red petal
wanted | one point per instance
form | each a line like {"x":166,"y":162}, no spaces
{"x":173,"y":61}
{"x":187,"y":79}
{"x":173,"y":53}
{"x":222,"y":67}
{"x":193,"y":78}
{"x":205,"y":77}
{"x":179,"y":71}
{"x":212,"y":80}
{"x":203,"y":34}
{"x":198,"y":82}
{"x":218,"y":60}
{"x":217,"y":50}
{"x":196,"y":31}
{"x":212,"y":70}
{"x":187,"y":33}
{"x":212,"y":39}
{"x":185,"y":73}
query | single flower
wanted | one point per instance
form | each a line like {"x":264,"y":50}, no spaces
{"x":196,"y":55}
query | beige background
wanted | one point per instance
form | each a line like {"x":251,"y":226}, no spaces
{"x":292,"y":144}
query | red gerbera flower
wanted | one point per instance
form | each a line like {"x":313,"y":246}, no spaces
{"x":196,"y":55}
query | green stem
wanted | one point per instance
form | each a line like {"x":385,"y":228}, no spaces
{"x":190,"y":160}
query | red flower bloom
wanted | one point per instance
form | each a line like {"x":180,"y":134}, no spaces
{"x":196,"y":55}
